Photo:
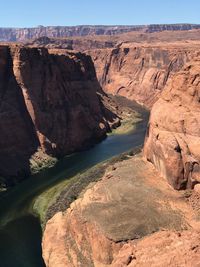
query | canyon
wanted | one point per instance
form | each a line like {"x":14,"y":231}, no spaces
{"x":135,"y":65}
{"x":59,"y":91}
{"x":100,"y":228}
{"x":50,"y":106}
{"x":132,"y":217}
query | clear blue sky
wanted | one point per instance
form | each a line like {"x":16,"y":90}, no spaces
{"x":29,"y":13}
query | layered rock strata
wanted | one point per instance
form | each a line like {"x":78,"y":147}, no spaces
{"x":140,"y":72}
{"x":50,"y":105}
{"x":173,"y":137}
{"x":22,"y":34}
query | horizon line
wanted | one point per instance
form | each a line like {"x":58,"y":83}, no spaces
{"x":101,"y":25}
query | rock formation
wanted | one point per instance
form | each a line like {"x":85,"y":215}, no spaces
{"x":114,"y":223}
{"x":132,"y":217}
{"x":134,"y":64}
{"x":139,"y":72}
{"x":23,"y":34}
{"x":50,"y":105}
{"x":173,"y":138}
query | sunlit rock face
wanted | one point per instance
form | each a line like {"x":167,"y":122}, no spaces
{"x":173,"y":138}
{"x":139,"y":71}
{"x":131,"y":217}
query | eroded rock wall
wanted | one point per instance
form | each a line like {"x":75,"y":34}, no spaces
{"x":50,"y":102}
{"x":139,"y":72}
{"x":173,"y":138}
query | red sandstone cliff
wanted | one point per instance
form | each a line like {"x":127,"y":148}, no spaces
{"x":50,"y":102}
{"x":134,"y":64}
{"x":173,"y":138}
{"x":140,"y":71}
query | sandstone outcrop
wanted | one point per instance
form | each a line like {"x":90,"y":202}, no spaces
{"x":113,"y":223}
{"x":162,"y":249}
{"x":140,"y":71}
{"x":50,"y":104}
{"x":173,"y":138}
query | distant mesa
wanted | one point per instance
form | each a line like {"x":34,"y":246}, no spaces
{"x":24,"y":34}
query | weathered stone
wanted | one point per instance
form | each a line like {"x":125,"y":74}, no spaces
{"x":114,"y":223}
{"x":140,"y":71}
{"x":173,"y":138}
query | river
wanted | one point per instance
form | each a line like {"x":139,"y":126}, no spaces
{"x":20,"y":229}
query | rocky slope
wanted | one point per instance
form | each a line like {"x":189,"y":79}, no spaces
{"x":51,"y":104}
{"x":140,"y":71}
{"x":113,"y":223}
{"x":23,"y":34}
{"x":173,"y":138}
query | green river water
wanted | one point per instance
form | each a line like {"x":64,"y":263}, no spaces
{"x":20,"y":229}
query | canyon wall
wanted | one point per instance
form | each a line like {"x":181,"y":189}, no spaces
{"x":133,"y":65}
{"x":23,"y":34}
{"x":173,"y":138}
{"x":139,"y":72}
{"x":50,"y":105}
{"x":132,"y":217}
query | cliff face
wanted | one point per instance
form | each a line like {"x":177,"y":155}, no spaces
{"x":139,"y":72}
{"x":18,"y":136}
{"x":50,"y":105}
{"x":23,"y":34}
{"x":134,"y":65}
{"x":173,"y":138}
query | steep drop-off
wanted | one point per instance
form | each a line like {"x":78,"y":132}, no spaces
{"x":140,"y":71}
{"x":51,"y":104}
{"x":173,"y":138}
